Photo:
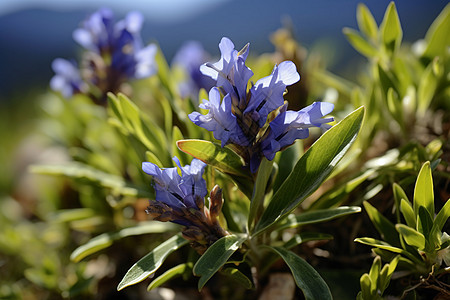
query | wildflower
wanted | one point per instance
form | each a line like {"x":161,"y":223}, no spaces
{"x":189,"y":58}
{"x":67,"y":79}
{"x":181,"y":199}
{"x":256,"y":122}
{"x":113,"y":52}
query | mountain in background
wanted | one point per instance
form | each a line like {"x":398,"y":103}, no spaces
{"x":30,"y":39}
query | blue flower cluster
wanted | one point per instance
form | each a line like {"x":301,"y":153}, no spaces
{"x":255,"y":121}
{"x":113,"y":53}
{"x":180,"y":198}
{"x":185,"y":191}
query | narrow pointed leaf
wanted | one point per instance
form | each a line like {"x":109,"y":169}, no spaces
{"x":151,"y":262}
{"x":305,"y":276}
{"x":366,"y":22}
{"x":216,"y":256}
{"x":423,"y":192}
{"x":169,"y":274}
{"x":312,"y":168}
{"x":374,"y":274}
{"x":317,"y":216}
{"x":359,"y":43}
{"x":385,"y":246}
{"x":408,"y":213}
{"x":411,"y":236}
{"x":442,"y":216}
{"x":386,"y":273}
{"x":107,"y":239}
{"x":399,"y":194}
{"x":390,"y":28}
{"x":214,"y":155}
{"x":437,"y":36}
{"x":383,"y":225}
{"x":257,"y":201}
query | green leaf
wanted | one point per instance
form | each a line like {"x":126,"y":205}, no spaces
{"x":424,"y":222}
{"x":305,"y":276}
{"x":442,"y":216}
{"x":411,"y":236}
{"x":259,"y":191}
{"x":386,"y":273}
{"x":427,"y":87}
{"x":385,"y":246}
{"x":366,"y":22}
{"x":238,"y":277}
{"x":390,"y":28}
{"x":304,"y":237}
{"x":318,"y":216}
{"x":216,"y":256}
{"x":423,"y":191}
{"x":359,"y":43}
{"x":399,"y":194}
{"x":374,"y":274}
{"x":151,"y":262}
{"x":383,"y":225}
{"x":408,"y":213}
{"x":213,"y":154}
{"x":312,"y":169}
{"x":105,"y":240}
{"x":169,"y":274}
{"x":366,"y":287}
{"x":224,"y":159}
{"x":177,"y":135}
{"x":437,"y":36}
{"x":86,"y":173}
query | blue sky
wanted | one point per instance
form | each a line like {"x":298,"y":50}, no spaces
{"x":162,"y":11}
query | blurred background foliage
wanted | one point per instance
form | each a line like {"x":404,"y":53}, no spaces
{"x":74,"y":235}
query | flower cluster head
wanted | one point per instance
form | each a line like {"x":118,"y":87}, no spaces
{"x":113,"y":53}
{"x":180,"y":198}
{"x":255,"y":121}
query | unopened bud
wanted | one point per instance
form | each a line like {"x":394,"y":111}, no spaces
{"x":216,"y":202}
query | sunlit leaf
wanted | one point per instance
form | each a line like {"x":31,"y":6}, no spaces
{"x":437,"y":36}
{"x":366,"y":22}
{"x":312,"y":168}
{"x":390,"y":28}
{"x":317,"y":216}
{"x":382,"y":224}
{"x":169,"y":275}
{"x":411,"y":236}
{"x":423,"y":191}
{"x":359,"y":43}
{"x":408,"y":213}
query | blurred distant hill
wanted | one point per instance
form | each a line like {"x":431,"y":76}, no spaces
{"x":30,"y":39}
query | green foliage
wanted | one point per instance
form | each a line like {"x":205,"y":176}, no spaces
{"x":420,"y":242}
{"x":89,"y":200}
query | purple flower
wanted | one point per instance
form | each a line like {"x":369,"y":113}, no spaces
{"x":114,"y":51}
{"x":267,"y":93}
{"x":219,"y":119}
{"x":67,"y":79}
{"x":230,"y":72}
{"x":178,"y":191}
{"x":242,"y":118}
{"x":291,"y":125}
{"x":190,"y":57}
